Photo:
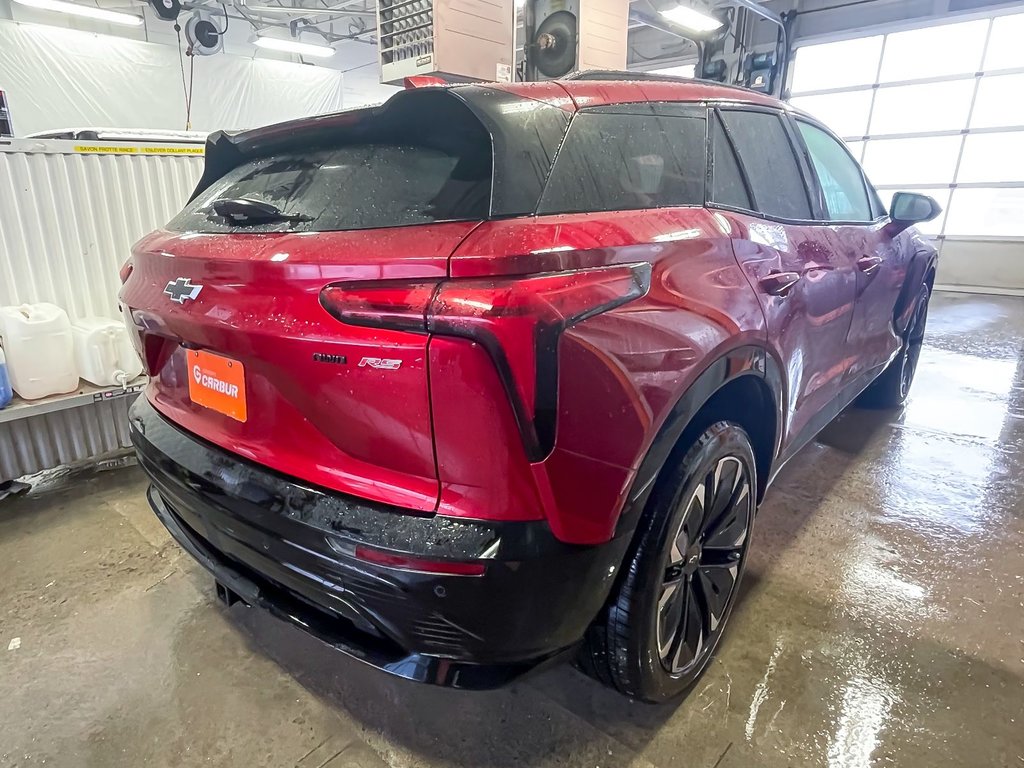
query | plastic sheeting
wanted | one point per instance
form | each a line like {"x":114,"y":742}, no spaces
{"x":55,"y":78}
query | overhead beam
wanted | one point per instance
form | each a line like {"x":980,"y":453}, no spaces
{"x":656,"y":22}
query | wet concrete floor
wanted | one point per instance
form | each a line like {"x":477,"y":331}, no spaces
{"x":881,"y":621}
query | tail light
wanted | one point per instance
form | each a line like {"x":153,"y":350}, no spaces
{"x":517,"y":320}
{"x":126,"y":271}
{"x":421,"y":565}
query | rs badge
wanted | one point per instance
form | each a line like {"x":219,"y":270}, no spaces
{"x":380,"y":363}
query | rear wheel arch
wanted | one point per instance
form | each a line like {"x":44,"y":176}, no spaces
{"x":744,"y":386}
{"x":739,"y":410}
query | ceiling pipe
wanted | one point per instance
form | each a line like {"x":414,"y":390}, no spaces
{"x":297,"y":11}
{"x":335,"y":9}
{"x":259,"y":21}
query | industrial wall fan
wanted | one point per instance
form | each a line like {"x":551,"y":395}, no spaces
{"x":552,"y":34}
{"x":563,"y":36}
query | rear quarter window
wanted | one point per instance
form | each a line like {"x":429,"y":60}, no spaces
{"x":617,"y":161}
{"x":770,"y":163}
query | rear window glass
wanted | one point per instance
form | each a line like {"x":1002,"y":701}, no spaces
{"x":771,"y":166}
{"x":357,"y":186}
{"x":727,"y":186}
{"x":613,"y":162}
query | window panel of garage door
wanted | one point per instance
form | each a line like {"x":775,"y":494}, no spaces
{"x":949,"y":49}
{"x":1000,"y":102}
{"x":992,"y":157}
{"x":997,"y":212}
{"x":929,"y":160}
{"x":837,"y":65}
{"x":1004,"y":44}
{"x":927,"y":107}
{"x":683,"y":70}
{"x":845,"y":113}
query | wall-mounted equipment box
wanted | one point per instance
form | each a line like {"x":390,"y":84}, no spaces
{"x":457,"y":40}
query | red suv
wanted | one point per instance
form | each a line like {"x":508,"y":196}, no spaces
{"x":496,"y":373}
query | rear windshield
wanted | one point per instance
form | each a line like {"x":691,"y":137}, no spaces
{"x":357,"y":186}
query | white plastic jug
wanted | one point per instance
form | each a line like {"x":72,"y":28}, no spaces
{"x":5,"y":383}
{"x":103,"y":352}
{"x":40,"y":350}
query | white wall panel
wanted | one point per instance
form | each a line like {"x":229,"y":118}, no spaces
{"x":67,"y":223}
{"x":986,"y":265}
{"x":68,"y":219}
{"x":63,"y":437}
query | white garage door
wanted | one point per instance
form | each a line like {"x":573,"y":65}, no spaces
{"x":939,"y":109}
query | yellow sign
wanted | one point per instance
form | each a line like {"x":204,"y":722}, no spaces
{"x":123,"y":150}
{"x":173,"y":150}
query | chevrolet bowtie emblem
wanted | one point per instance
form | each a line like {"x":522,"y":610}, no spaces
{"x":180,"y":289}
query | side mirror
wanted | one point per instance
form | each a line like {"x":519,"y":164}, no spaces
{"x":909,"y":208}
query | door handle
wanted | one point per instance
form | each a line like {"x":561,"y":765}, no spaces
{"x":779,"y":283}
{"x":869,"y":264}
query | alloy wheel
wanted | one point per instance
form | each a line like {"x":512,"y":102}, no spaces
{"x":703,"y":565}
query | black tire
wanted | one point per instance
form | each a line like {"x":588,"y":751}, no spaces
{"x":641,"y":643}
{"x":892,"y":387}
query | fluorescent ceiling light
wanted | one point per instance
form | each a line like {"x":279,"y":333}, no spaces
{"x":692,"y":19}
{"x":89,"y":11}
{"x":294,"y":46}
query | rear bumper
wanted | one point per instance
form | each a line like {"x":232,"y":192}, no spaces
{"x":289,"y":548}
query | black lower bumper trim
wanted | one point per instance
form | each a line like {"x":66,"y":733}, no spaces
{"x":233,"y":587}
{"x":289,"y":548}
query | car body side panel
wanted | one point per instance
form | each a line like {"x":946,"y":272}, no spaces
{"x":481,"y":459}
{"x":872,"y":331}
{"x":621,"y":372}
{"x":807,"y":327}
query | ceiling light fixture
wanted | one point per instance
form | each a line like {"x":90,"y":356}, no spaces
{"x":294,"y":46}
{"x":88,"y":11}
{"x":691,"y":19}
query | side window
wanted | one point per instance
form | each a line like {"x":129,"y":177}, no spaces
{"x":614,"y":161}
{"x":727,"y":187}
{"x":771,"y":166}
{"x":841,"y":180}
